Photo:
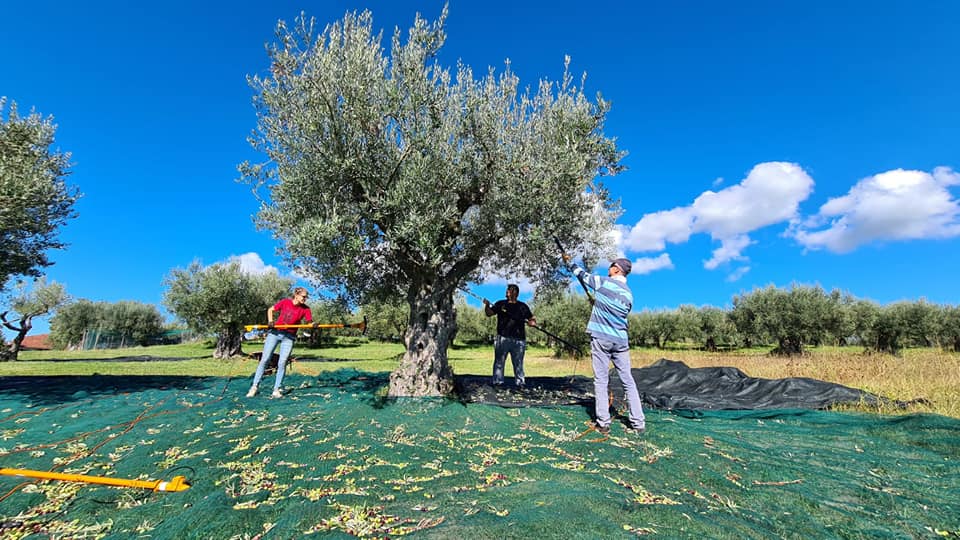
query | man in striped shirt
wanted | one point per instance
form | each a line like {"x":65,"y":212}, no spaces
{"x":608,"y":332}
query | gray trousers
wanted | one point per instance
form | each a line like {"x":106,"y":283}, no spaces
{"x":516,"y":348}
{"x":605,"y":352}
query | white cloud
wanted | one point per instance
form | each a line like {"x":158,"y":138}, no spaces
{"x":252,"y":264}
{"x":771,"y":193}
{"x":894,"y":205}
{"x":654,"y":230}
{"x":646,"y":265}
{"x":730,"y":250}
{"x":738,"y":273}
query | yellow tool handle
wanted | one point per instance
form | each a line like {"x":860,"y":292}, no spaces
{"x":178,"y":483}
{"x":250,"y":327}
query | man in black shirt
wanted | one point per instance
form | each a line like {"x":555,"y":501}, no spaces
{"x":511,"y":335}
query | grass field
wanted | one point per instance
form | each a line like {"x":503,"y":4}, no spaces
{"x":332,"y":459}
{"x":928,"y":374}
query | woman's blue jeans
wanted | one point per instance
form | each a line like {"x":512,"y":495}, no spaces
{"x":269,"y":344}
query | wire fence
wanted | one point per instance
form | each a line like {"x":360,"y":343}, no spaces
{"x":105,"y":339}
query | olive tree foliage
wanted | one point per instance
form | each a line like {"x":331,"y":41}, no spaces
{"x":137,"y":322}
{"x":390,"y":174}
{"x":329,"y":311}
{"x":789,"y":317}
{"x":863,"y":316}
{"x":41,"y":298}
{"x":220,"y":299}
{"x":473,"y":325}
{"x":716,"y":329}
{"x":663,"y":326}
{"x":889,"y":331}
{"x":948,"y":328}
{"x":68,"y":325}
{"x":34,"y":198}
{"x":564,"y":315}
{"x":687,"y":321}
{"x":386,"y":319}
{"x":920,"y":323}
{"x":640,"y":329}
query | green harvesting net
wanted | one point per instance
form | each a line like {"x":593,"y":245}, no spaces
{"x":333,"y":459}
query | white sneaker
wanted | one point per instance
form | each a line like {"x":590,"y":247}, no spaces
{"x":276,"y":394}
{"x":252,"y":392}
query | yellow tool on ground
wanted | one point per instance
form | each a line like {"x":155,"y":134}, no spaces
{"x":178,"y":483}
{"x":362,"y":325}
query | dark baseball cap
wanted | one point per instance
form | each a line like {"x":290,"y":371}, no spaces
{"x":623,"y":264}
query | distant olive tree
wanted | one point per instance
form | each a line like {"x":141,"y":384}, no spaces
{"x":564,"y":315}
{"x":328,"y":311}
{"x":220,"y":299}
{"x":68,"y":325}
{"x":688,"y":329}
{"x":34,"y":198}
{"x":920,"y":323}
{"x":716,"y":328}
{"x":641,"y":329}
{"x":389,"y":174}
{"x":473,"y":326}
{"x":864,"y":315}
{"x":136,"y":323}
{"x":41,"y":298}
{"x":386,"y":319}
{"x":790,"y":317}
{"x":745,"y":317}
{"x":948,"y":328}
{"x":889,"y":330}
{"x":665,"y":325}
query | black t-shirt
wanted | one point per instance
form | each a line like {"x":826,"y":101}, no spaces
{"x":512,"y":319}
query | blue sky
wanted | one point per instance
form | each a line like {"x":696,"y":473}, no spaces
{"x":769,"y":142}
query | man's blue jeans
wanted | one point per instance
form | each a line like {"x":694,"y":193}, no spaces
{"x":516,"y":348}
{"x":269,"y":344}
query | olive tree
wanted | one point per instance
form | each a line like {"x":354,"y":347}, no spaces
{"x":387,"y":319}
{"x":34,"y":199}
{"x":948,"y":328}
{"x":688,"y":326}
{"x":716,"y":328}
{"x":40,"y":299}
{"x":864,"y":315}
{"x":473,"y":325}
{"x":641,"y":329}
{"x":792,"y":317}
{"x":889,"y":330}
{"x":220,"y":299}
{"x":135,"y":323}
{"x":68,"y":325}
{"x":564,"y":315}
{"x":389,"y":174}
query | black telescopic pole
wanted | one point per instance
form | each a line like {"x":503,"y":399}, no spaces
{"x":471,"y":293}
{"x":561,"y":340}
{"x":554,"y":336}
{"x":580,"y":279}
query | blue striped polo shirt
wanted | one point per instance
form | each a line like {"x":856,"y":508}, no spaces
{"x":608,"y":320}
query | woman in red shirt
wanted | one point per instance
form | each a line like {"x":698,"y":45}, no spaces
{"x":287,"y":311}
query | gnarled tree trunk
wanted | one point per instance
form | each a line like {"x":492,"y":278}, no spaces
{"x":424,"y":370}
{"x":789,"y":346}
{"x":11,"y":351}
{"x":228,"y":343}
